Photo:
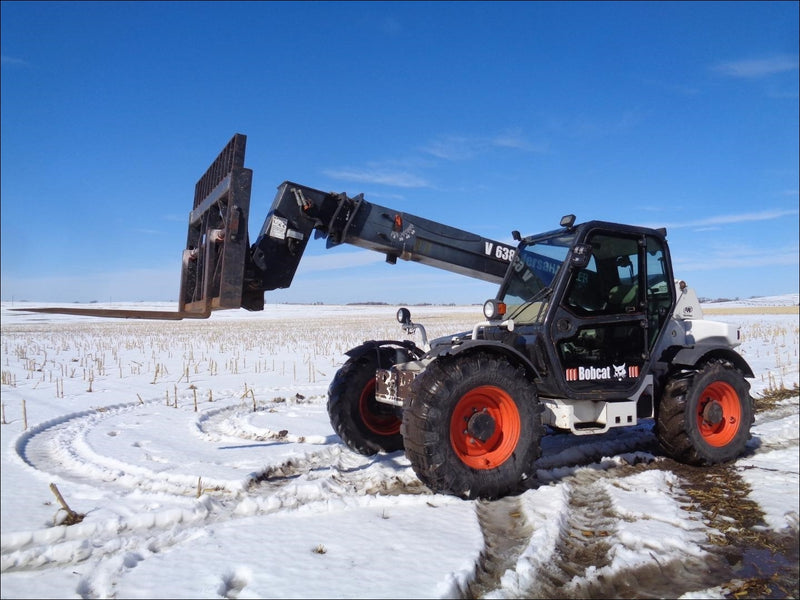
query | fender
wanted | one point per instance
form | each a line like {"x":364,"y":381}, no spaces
{"x":690,"y":357}
{"x":492,"y":346}
{"x":375,"y":345}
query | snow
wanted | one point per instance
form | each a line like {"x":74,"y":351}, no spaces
{"x":783,"y":300}
{"x":201,"y":455}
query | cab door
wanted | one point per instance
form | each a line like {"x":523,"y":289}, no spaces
{"x":600,"y":331}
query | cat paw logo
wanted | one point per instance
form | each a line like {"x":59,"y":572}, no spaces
{"x":618,"y":372}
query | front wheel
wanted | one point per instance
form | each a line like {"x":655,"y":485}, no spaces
{"x":705,"y":418}
{"x":363,"y":423}
{"x":473,"y":428}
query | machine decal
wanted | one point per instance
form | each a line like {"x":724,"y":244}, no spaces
{"x":402,"y":236}
{"x":498,"y":251}
{"x":618,"y":372}
{"x":277,"y":227}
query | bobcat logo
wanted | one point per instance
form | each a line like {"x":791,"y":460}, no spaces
{"x":597,"y":373}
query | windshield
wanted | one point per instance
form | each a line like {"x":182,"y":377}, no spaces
{"x":527,"y":288}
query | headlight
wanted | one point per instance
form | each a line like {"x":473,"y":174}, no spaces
{"x":494,"y":309}
{"x":404,"y":316}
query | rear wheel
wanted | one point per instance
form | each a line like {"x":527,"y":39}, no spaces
{"x":705,"y":418}
{"x":474,"y":426}
{"x":364,"y":424}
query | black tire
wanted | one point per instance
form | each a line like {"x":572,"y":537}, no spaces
{"x":365,"y":425}
{"x":473,"y":428}
{"x":704,"y":417}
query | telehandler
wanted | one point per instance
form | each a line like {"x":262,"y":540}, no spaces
{"x":588,"y":331}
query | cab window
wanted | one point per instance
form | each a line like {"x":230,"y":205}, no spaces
{"x":609,"y":284}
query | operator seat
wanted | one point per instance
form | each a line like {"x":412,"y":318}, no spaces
{"x":623,"y":297}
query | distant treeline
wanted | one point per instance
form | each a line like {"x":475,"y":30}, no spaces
{"x":709,"y":300}
{"x":397,"y":304}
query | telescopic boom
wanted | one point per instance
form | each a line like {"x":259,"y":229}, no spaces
{"x":221,"y":270}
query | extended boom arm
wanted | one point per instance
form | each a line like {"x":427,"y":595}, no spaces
{"x":220,"y":272}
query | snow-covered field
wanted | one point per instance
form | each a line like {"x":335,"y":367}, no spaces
{"x":201,"y":458}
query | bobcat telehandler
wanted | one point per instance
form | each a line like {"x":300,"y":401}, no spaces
{"x":589,"y":330}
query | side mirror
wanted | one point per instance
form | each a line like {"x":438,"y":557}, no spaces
{"x":580,"y":255}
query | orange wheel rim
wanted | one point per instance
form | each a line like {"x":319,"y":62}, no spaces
{"x":485,"y":427}
{"x":719,"y":414}
{"x":374,"y":421}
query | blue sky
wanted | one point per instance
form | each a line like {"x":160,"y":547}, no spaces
{"x":484,"y":116}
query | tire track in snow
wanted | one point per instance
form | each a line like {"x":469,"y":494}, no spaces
{"x":580,"y":554}
{"x":736,"y":554}
{"x":341,"y":475}
{"x":776,"y":414}
{"x":758,"y":560}
{"x":235,"y":422}
{"x":584,"y":561}
{"x":338,"y":473}
{"x":563,"y":450}
{"x":59,"y":447}
{"x":588,"y":521}
{"x":506,"y":533}
{"x":573,"y":551}
{"x":765,"y":436}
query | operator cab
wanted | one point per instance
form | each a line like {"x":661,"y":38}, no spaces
{"x":599,"y":292}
